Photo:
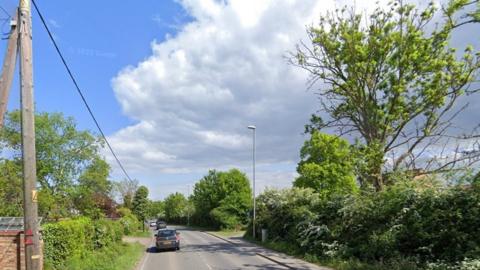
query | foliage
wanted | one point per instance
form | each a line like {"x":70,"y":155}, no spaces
{"x":140,"y":203}
{"x":175,"y":208}
{"x":457,"y":6}
{"x":222,"y":199}
{"x":327,"y":165}
{"x":125,"y":190}
{"x":280,"y":211}
{"x":75,"y":238}
{"x":107,"y":233}
{"x":122,"y":256}
{"x":65,"y":239}
{"x":63,"y":153}
{"x":128,"y":220}
{"x":11,"y":196}
{"x":410,"y":219}
{"x":92,"y":192}
{"x":156,"y":209}
{"x":392,"y":80}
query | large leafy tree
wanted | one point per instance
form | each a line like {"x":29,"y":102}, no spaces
{"x":156,"y":209}
{"x":392,"y":81}
{"x":327,"y":165}
{"x":63,"y":153}
{"x":176,"y":208}
{"x":222,"y":199}
{"x":11,"y":196}
{"x":92,"y":191}
{"x":140,"y":204}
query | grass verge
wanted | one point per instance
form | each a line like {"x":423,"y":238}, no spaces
{"x":123,"y":256}
{"x":145,"y":233}
{"x":228,"y":233}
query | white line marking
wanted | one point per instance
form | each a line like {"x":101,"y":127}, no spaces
{"x":148,"y":253}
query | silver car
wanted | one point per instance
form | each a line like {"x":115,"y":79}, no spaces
{"x":167,"y":239}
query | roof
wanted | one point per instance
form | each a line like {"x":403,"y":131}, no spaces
{"x":12,"y":223}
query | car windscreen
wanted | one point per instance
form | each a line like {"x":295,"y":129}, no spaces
{"x":166,"y":233}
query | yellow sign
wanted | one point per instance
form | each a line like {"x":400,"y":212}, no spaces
{"x":34,"y":195}
{"x":36,"y":257}
{"x":25,"y":4}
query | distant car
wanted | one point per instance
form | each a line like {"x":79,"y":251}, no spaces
{"x":167,"y":239}
{"x":161,"y":225}
{"x":153,"y":224}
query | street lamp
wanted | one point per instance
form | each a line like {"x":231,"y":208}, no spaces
{"x":254,"y":204}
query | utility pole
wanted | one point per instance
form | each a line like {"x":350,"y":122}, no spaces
{"x":30,"y":203}
{"x":20,"y":41}
{"x":8,"y":69}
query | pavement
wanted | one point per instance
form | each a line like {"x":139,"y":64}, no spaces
{"x":204,"y":251}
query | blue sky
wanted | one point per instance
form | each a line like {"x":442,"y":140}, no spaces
{"x":98,"y":39}
{"x":174,"y":84}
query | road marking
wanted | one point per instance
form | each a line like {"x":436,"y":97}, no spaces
{"x":148,"y":253}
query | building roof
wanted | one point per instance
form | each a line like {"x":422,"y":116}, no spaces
{"x":12,"y":223}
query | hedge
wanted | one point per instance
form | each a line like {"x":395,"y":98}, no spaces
{"x":425,"y":225}
{"x":76,"y":237}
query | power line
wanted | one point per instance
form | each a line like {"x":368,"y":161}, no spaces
{"x":5,"y":11}
{"x":5,"y":21}
{"x":78,"y":88}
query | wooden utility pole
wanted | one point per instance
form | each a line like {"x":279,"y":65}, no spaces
{"x":20,"y":41}
{"x":8,"y":69}
{"x":32,"y":239}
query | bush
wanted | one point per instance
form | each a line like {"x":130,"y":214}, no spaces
{"x":280,"y":211}
{"x":66,"y":239}
{"x":74,"y":238}
{"x":128,"y":221}
{"x":107,"y":233}
{"x":224,"y":219}
{"x":404,"y":221}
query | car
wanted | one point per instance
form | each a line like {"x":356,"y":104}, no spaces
{"x":167,"y":239}
{"x":161,"y":225}
{"x":153,"y":224}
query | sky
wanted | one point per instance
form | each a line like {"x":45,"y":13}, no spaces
{"x":174,"y":84}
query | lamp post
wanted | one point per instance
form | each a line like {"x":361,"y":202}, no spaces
{"x":188,"y":206}
{"x":253,"y":128}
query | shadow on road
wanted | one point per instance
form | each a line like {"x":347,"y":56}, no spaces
{"x":155,"y":250}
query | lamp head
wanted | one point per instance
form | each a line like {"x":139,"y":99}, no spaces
{"x":251,"y":127}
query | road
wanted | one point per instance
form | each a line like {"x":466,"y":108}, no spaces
{"x":201,"y":251}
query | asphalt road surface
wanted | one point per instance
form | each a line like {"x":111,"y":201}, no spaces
{"x":201,"y":251}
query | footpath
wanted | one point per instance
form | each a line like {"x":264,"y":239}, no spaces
{"x":274,"y":256}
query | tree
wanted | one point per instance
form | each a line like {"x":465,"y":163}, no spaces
{"x":222,"y":199}
{"x":140,"y":204}
{"x":63,"y":152}
{"x":175,"y":208}
{"x":11,"y":196}
{"x":392,"y":81}
{"x":470,"y":16}
{"x":125,"y":189}
{"x":92,"y":192}
{"x":156,"y":209}
{"x":327,"y":165}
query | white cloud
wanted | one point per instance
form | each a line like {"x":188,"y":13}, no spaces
{"x":54,"y":23}
{"x":197,"y":92}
